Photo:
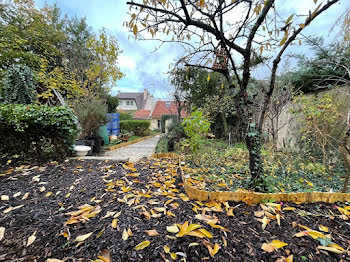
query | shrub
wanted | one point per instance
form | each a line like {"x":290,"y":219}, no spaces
{"x":91,"y":113}
{"x":139,"y":127}
{"x":37,"y":130}
{"x":125,"y":116}
{"x":112,"y":103}
{"x":19,"y":85}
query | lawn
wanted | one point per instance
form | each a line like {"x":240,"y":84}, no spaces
{"x":81,"y":209}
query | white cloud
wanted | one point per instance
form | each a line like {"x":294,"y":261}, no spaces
{"x":126,"y":62}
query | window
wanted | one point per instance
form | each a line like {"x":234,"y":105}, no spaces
{"x":127,"y":103}
{"x":167,"y":104}
{"x":120,"y":102}
{"x":131,"y":103}
{"x":158,"y":124}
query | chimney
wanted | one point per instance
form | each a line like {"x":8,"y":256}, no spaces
{"x":118,"y":93}
{"x":145,"y":93}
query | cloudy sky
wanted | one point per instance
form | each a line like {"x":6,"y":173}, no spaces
{"x":144,"y":68}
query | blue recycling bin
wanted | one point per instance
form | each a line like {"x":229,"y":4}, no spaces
{"x":113,"y":126}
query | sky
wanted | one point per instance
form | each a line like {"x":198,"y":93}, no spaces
{"x":145,"y":68}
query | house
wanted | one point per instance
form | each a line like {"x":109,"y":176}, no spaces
{"x":155,"y":114}
{"x":135,"y":101}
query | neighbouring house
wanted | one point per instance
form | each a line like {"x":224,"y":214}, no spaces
{"x":131,"y":102}
{"x":155,"y":114}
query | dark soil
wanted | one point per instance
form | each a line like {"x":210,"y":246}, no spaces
{"x":158,"y":182}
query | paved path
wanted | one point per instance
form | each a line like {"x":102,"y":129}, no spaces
{"x":136,"y":151}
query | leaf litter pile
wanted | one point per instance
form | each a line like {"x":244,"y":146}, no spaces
{"x":89,"y":210}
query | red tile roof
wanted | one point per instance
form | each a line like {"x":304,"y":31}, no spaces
{"x":167,"y":108}
{"x":142,"y":114}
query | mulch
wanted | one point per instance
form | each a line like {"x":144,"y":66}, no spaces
{"x":149,"y":195}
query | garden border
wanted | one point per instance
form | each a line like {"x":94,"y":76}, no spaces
{"x":252,"y":197}
{"x":130,"y":142}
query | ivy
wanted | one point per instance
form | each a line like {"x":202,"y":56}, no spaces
{"x":47,"y":131}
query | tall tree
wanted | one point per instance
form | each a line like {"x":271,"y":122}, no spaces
{"x":244,"y":29}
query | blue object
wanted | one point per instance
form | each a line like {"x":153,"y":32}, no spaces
{"x":113,"y":126}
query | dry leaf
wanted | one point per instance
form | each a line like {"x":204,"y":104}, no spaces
{"x":2,"y":233}
{"x":5,"y":198}
{"x":17,"y":194}
{"x":83,"y":237}
{"x":172,"y":229}
{"x":330,"y":249}
{"x":25,"y":196}
{"x":278,"y":244}
{"x":264,"y":222}
{"x":54,"y":260}
{"x":42,"y":189}
{"x":31,"y":239}
{"x":125,"y":235}
{"x":114,"y":222}
{"x":268,"y":247}
{"x":142,"y":245}
{"x":152,"y":232}
{"x":323,"y":228}
{"x":166,"y":249}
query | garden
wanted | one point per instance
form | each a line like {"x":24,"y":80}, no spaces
{"x":246,"y":168}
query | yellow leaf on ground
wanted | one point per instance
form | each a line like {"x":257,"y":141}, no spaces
{"x":300,"y":234}
{"x":42,"y":189}
{"x":152,"y":232}
{"x":315,"y":234}
{"x":215,"y":250}
{"x":288,"y":208}
{"x":81,"y":238}
{"x":166,"y":249}
{"x":2,"y":233}
{"x":330,"y":249}
{"x":17,"y":194}
{"x":265,"y":221}
{"x":268,"y":247}
{"x":31,"y":239}
{"x":54,"y":260}
{"x":278,"y":244}
{"x":172,"y":229}
{"x":205,"y":232}
{"x":219,"y":227}
{"x":336,"y":246}
{"x":125,"y":235}
{"x":25,"y":196}
{"x":142,"y":245}
{"x":114,"y":222}
{"x":173,"y":256}
{"x":323,"y":228}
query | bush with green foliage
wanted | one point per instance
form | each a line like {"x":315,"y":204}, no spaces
{"x":139,"y":127}
{"x":112,"y":103}
{"x":195,"y":126}
{"x":125,"y":116}
{"x":91,"y":113}
{"x":19,"y":85}
{"x":37,"y":130}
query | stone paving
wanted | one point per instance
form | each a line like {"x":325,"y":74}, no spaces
{"x":135,"y":151}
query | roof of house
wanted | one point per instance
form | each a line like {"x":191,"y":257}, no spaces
{"x":167,"y":108}
{"x":142,"y":114}
{"x":138,"y":97}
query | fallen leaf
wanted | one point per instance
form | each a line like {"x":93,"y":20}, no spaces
{"x":2,"y":233}
{"x":278,"y":244}
{"x":315,"y":234}
{"x":17,"y":194}
{"x":166,"y":249}
{"x":42,"y":189}
{"x":264,"y":222}
{"x":142,"y":245}
{"x":5,"y":198}
{"x":288,"y":208}
{"x":323,"y":228}
{"x":173,"y":256}
{"x":268,"y":247}
{"x":114,"y":222}
{"x":125,"y":235}
{"x":54,"y":260}
{"x":172,"y":229}
{"x":25,"y":196}
{"x":81,"y":238}
{"x":31,"y":239}
{"x":330,"y":249}
{"x":152,"y":232}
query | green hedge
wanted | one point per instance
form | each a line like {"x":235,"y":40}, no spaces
{"x":139,"y":127}
{"x":37,"y":130}
{"x":124,"y":116}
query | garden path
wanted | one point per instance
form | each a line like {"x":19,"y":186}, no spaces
{"x":136,"y":151}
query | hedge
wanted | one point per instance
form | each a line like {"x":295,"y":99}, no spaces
{"x":139,"y":127}
{"x":37,"y":130}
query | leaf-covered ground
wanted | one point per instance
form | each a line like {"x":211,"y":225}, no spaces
{"x":92,"y":210}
